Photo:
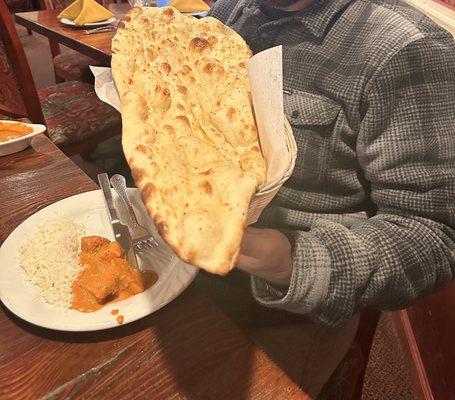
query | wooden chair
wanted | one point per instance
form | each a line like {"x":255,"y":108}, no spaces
{"x":19,"y":5}
{"x":347,"y":381}
{"x":70,"y":66}
{"x":16,"y":6}
{"x":76,"y":119}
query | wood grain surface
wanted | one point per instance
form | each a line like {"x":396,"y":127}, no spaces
{"x":97,"y":45}
{"x":34,"y":178}
{"x":187,"y":350}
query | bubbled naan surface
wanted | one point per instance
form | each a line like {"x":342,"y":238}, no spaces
{"x":189,"y":134}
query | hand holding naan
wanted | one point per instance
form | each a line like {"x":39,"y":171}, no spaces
{"x":266,"y":253}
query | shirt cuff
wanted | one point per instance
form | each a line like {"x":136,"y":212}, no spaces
{"x":309,"y":281}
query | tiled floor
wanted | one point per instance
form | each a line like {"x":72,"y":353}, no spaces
{"x":386,"y":377}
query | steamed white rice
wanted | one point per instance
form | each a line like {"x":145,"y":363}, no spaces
{"x":50,"y":259}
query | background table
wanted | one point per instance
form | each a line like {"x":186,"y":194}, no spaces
{"x":97,"y":45}
{"x":188,"y":349}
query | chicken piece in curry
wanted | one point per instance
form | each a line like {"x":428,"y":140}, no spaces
{"x":107,"y":276}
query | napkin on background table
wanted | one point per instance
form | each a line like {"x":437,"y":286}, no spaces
{"x":85,"y":12}
{"x":189,"y":6}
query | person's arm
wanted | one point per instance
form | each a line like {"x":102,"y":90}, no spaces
{"x":406,"y":148}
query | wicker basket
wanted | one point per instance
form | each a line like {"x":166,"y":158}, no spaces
{"x":265,"y":195}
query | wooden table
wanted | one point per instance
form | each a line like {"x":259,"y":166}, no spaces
{"x":188,"y":349}
{"x":46,"y":23}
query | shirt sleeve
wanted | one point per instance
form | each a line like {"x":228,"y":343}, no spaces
{"x":406,"y":149}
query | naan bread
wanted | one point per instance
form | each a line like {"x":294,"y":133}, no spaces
{"x":189,"y":133}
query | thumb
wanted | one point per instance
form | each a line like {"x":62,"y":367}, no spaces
{"x":251,"y":242}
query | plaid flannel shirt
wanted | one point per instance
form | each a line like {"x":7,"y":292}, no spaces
{"x":369,"y":89}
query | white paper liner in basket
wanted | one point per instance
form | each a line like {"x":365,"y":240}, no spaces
{"x":278,"y":144}
{"x":264,"y":196}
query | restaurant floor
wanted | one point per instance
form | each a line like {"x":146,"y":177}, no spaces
{"x":386,"y":376}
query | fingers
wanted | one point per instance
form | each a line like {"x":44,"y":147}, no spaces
{"x":252,"y":242}
{"x":266,"y":253}
{"x":249,"y":264}
{"x":280,"y":273}
{"x":254,"y":266}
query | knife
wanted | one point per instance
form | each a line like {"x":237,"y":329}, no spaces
{"x":121,"y":231}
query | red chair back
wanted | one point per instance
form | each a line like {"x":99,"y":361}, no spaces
{"x":18,"y":95}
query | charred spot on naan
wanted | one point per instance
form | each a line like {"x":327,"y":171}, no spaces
{"x":212,"y":40}
{"x":182,"y":89}
{"x":168,"y":11}
{"x":138,"y":175}
{"x":161,"y":99}
{"x":166,"y":68}
{"x":169,"y":130}
{"x":199,"y":44}
{"x":151,"y":54}
{"x":185,"y":70}
{"x":147,"y":151}
{"x":183,"y":119}
{"x":213,"y":68}
{"x":230,"y":113}
{"x":207,"y":187}
{"x":149,"y":190}
{"x":144,"y":21}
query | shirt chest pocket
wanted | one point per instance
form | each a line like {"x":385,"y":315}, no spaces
{"x":313,"y":119}
{"x":304,"y":108}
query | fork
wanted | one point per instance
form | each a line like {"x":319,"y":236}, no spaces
{"x":142,"y":239}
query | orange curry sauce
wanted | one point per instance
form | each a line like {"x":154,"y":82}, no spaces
{"x":13,"y":131}
{"x":107,"y":276}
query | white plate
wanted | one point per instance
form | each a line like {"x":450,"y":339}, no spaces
{"x":199,"y":14}
{"x":20,"y":143}
{"x":174,"y":276}
{"x":69,"y":22}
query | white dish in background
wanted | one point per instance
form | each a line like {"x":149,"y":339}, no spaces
{"x":66,"y":21}
{"x":199,"y":14}
{"x":88,"y":209}
{"x":15,"y":145}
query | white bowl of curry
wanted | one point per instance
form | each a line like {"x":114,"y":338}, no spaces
{"x":16,"y":136}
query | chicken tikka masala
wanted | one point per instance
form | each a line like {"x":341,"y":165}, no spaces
{"x":107,"y":276}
